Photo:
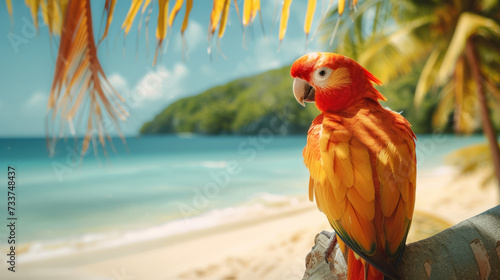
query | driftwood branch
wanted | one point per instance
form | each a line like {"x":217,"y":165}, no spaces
{"x":468,"y":250}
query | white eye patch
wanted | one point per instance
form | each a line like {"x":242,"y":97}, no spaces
{"x":327,"y":78}
{"x":322,"y":74}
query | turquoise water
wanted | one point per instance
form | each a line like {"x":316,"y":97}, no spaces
{"x":158,"y":180}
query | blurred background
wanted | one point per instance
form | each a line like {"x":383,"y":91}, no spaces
{"x":205,"y":178}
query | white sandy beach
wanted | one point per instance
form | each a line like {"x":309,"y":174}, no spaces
{"x":270,"y":246}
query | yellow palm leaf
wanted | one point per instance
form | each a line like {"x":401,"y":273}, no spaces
{"x":224,"y":17}
{"x":33,"y":5}
{"x":79,"y":80}
{"x":8,"y":3}
{"x":189,"y":5}
{"x":285,"y":13}
{"x":341,"y":4}
{"x":215,"y":15}
{"x":311,"y":7}
{"x":467,"y":25}
{"x":132,"y":12}
{"x":109,"y":8}
{"x":161,"y":29}
{"x":175,"y":10}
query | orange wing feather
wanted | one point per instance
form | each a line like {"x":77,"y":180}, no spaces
{"x":363,"y":175}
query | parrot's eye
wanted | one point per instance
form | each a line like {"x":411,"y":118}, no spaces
{"x":322,"y":73}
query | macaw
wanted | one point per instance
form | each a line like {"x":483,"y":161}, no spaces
{"x":362,"y":163}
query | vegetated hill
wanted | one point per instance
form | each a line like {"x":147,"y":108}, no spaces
{"x":265,"y":101}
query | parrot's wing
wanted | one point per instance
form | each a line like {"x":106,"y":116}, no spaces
{"x":363,"y":178}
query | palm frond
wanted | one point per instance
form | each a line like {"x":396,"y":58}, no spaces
{"x":132,"y":12}
{"x":79,"y":80}
{"x":467,"y":25}
{"x":109,"y":8}
{"x":445,"y":106}
{"x":473,"y":159}
{"x":427,"y":77}
{"x":8,"y":3}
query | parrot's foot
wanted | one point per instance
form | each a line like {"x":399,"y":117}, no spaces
{"x":331,"y":243}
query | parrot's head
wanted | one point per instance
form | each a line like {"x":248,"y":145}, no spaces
{"x":332,"y":81}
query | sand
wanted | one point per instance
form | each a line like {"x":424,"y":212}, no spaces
{"x":270,"y":246}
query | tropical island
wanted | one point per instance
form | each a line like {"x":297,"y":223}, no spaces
{"x":246,"y":105}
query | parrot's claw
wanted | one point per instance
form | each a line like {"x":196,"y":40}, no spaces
{"x":331,"y":244}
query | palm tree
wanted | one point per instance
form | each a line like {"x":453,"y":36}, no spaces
{"x":456,"y":41}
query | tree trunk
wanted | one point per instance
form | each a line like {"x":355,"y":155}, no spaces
{"x":488,"y":129}
{"x":468,"y":250}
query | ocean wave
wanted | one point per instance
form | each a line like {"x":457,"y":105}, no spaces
{"x":214,"y":164}
{"x":263,"y":204}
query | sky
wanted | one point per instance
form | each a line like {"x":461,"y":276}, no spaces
{"x":27,"y":60}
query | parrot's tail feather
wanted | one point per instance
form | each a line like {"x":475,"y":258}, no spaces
{"x":358,"y":270}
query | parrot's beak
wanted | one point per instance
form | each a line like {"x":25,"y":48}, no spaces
{"x":303,"y":91}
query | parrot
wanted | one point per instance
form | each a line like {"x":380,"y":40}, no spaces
{"x":362,"y":162}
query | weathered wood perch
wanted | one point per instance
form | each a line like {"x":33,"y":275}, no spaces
{"x":468,"y":250}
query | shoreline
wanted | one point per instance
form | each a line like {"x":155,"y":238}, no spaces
{"x":262,"y":245}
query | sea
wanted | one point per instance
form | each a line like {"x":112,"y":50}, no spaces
{"x":157,"y":186}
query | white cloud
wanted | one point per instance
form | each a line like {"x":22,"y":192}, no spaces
{"x":36,"y":100}
{"x":194,"y":37}
{"x":35,"y":106}
{"x":118,"y":82}
{"x":158,"y":84}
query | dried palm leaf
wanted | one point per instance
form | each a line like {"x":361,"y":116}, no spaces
{"x":175,"y":10}
{"x":161,"y":28}
{"x":311,"y":7}
{"x":132,"y":12}
{"x":189,"y":5}
{"x":341,"y":7}
{"x":250,"y":10}
{"x":109,"y":8}
{"x":79,"y":80}
{"x":8,"y":3}
{"x":215,"y":15}
{"x":285,"y":13}
{"x":33,"y":5}
{"x":467,"y":25}
{"x":224,"y":17}
{"x":53,"y":14}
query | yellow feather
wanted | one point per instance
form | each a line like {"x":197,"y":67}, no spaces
{"x":339,"y":78}
{"x":363,"y":179}
{"x":340,"y":135}
{"x":363,"y":207}
{"x":389,"y":193}
{"x":395,"y":228}
{"x":410,"y":204}
{"x":311,"y":7}
{"x":311,"y":189}
{"x":344,"y":167}
{"x":362,"y":230}
{"x":339,"y":182}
